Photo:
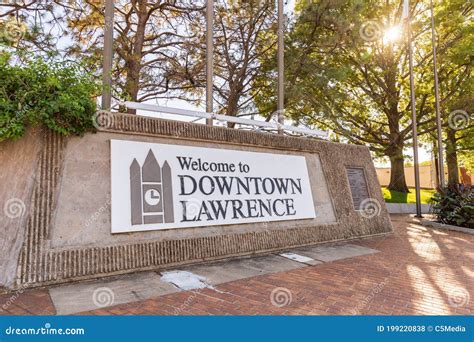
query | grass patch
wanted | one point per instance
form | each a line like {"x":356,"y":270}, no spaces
{"x":399,"y":197}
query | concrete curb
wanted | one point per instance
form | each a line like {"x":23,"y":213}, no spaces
{"x":446,"y":227}
{"x":405,"y":208}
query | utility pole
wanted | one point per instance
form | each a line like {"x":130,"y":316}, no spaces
{"x":209,"y":58}
{"x":438,"y":110}
{"x":413,"y":110}
{"x":281,"y":66}
{"x":108,"y":55}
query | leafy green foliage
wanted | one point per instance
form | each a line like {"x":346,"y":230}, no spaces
{"x":345,"y":73}
{"x":455,"y":205}
{"x":58,"y":96}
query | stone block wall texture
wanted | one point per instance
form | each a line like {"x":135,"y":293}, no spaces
{"x":64,"y":235}
{"x":18,"y":162}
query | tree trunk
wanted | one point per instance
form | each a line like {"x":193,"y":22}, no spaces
{"x":452,"y":157}
{"x":134,"y":62}
{"x":395,"y":150}
{"x":397,"y":171}
{"x":233,"y":103}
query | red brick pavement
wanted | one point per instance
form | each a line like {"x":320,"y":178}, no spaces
{"x":419,"y":270}
{"x":27,"y":302}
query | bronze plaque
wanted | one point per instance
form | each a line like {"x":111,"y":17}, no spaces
{"x":358,"y":185}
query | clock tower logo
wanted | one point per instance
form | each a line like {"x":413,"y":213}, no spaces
{"x":151,"y":192}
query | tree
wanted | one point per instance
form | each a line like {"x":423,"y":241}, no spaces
{"x":455,"y":56}
{"x":30,"y":26}
{"x":456,"y":45}
{"x":160,"y":46}
{"x":154,"y":43}
{"x":344,"y":73}
{"x":241,"y":30}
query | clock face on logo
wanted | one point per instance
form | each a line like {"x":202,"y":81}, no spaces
{"x":152,"y":197}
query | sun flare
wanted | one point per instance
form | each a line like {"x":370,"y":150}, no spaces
{"x":392,"y":34}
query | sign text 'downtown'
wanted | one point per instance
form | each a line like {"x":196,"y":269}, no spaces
{"x":160,"y":186}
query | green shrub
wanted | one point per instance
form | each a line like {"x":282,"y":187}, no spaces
{"x":455,"y":205}
{"x":57,"y":95}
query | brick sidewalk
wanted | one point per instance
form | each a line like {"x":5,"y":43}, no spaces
{"x":418,"y":271}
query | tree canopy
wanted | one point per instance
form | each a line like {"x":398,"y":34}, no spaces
{"x":347,"y":71}
{"x":346,"y":62}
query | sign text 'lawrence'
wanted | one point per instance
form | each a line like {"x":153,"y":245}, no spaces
{"x":158,"y":186}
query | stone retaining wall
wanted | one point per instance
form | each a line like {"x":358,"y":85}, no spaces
{"x":63,"y":233}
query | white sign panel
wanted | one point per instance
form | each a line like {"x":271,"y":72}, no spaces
{"x":157,"y":186}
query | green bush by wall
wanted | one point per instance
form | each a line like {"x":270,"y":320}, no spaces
{"x":56,"y":95}
{"x":455,"y":205}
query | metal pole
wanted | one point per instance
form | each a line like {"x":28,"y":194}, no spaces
{"x":108,"y":55}
{"x":209,"y":57}
{"x":438,"y":112}
{"x":414,"y":123}
{"x":281,"y":66}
